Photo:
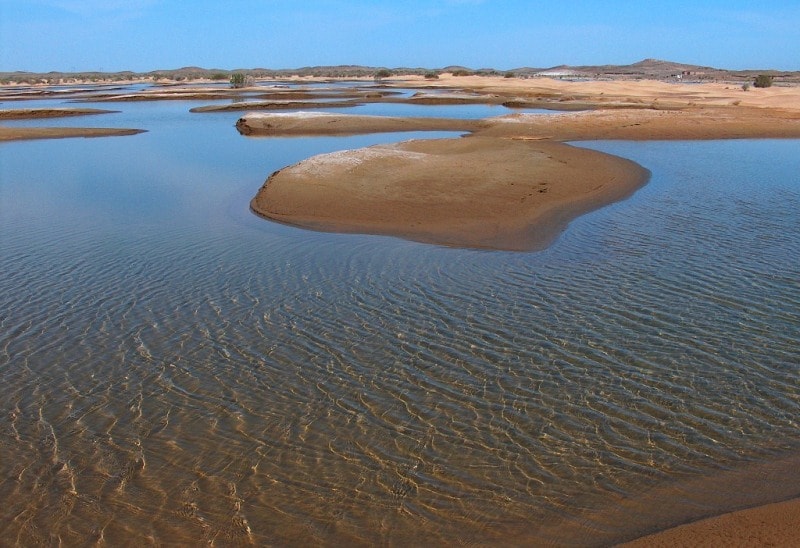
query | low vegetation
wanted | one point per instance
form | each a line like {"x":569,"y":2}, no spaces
{"x":237,"y":80}
{"x":649,"y":69}
{"x":762,"y":81}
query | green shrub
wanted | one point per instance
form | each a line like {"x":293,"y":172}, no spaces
{"x":762,"y":81}
{"x":219,"y":76}
{"x":431,"y":75}
{"x":383,"y":73}
{"x":237,"y":80}
{"x":509,"y":75}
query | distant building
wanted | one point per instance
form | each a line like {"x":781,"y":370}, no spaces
{"x":557,"y":74}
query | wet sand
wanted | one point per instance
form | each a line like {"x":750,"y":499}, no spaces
{"x":36,"y":113}
{"x":775,"y":524}
{"x":323,"y":123}
{"x":625,"y":124}
{"x":23,"y":133}
{"x":479,"y":192}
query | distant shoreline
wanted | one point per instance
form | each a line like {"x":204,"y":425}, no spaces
{"x":647,"y":69}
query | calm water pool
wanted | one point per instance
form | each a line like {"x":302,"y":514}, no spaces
{"x":177,"y":370}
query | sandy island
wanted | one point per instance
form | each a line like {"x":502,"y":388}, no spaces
{"x":474,"y":192}
{"x":23,"y":133}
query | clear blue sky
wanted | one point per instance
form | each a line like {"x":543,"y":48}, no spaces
{"x":144,"y":35}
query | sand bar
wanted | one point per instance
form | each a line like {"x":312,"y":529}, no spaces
{"x":24,"y":133}
{"x":478,"y":192}
{"x":324,"y":123}
{"x":274,"y":105}
{"x":35,"y":113}
{"x":627,"y":124}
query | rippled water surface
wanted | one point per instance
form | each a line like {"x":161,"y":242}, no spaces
{"x":175,"y":370}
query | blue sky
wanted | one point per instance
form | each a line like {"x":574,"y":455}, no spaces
{"x":144,"y":35}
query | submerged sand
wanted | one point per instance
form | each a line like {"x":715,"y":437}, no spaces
{"x":472,"y":192}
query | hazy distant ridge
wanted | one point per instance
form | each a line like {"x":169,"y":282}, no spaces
{"x":646,"y":68}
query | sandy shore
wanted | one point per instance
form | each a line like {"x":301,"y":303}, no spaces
{"x":615,"y":93}
{"x":472,"y":192}
{"x":769,"y":525}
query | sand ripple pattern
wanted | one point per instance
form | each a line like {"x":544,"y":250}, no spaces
{"x":245,"y":387}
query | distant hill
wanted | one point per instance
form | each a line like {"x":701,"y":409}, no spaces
{"x":656,"y":69}
{"x":644,"y":69}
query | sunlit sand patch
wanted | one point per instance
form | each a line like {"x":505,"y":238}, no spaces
{"x":477,"y":192}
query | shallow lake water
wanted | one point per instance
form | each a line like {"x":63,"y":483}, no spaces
{"x":176,"y":370}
